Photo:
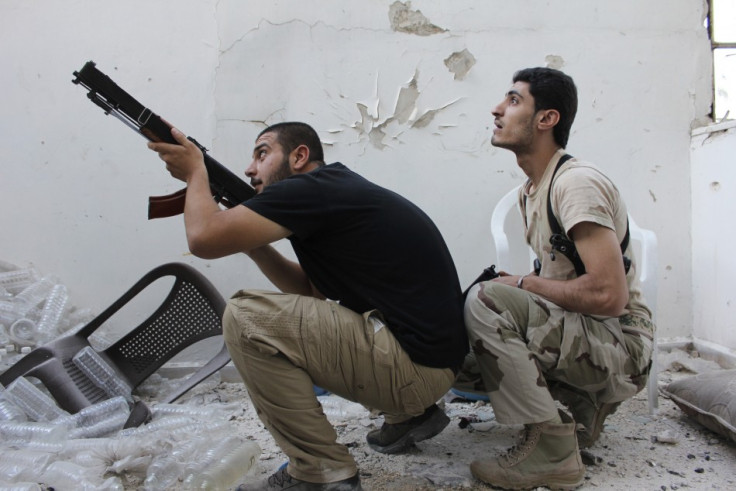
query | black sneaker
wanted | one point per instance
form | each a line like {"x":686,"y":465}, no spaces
{"x":283,"y":480}
{"x":396,"y":438}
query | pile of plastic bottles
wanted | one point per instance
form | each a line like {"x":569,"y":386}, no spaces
{"x":34,"y":309}
{"x":43,"y":446}
{"x":184,"y":447}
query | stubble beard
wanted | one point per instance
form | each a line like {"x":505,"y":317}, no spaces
{"x":522,"y":139}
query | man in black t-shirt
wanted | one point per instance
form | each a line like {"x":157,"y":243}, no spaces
{"x":372,"y":310}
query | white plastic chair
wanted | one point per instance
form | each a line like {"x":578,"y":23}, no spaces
{"x":642,"y":240}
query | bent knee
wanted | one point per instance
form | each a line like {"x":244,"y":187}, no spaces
{"x":236,"y":314}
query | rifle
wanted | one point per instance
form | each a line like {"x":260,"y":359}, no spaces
{"x":227,"y":188}
{"x":487,"y":274}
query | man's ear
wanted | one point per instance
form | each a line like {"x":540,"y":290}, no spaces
{"x":299,"y":157}
{"x":548,"y":118}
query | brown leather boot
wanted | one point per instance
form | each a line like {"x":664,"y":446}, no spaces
{"x":546,"y":456}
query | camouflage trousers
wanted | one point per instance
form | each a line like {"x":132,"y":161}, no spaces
{"x":523,"y":344}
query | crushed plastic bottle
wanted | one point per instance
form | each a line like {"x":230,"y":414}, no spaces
{"x":70,"y":476}
{"x":34,"y":402}
{"x":9,"y":411}
{"x":23,"y":464}
{"x":19,"y":486}
{"x":101,"y":419}
{"x":203,"y":461}
{"x":34,"y":294}
{"x":101,"y":373}
{"x":16,"y":280}
{"x":23,"y":332}
{"x":40,"y":436}
{"x":230,"y":467}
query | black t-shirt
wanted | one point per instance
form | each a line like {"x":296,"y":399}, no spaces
{"x":369,"y":248}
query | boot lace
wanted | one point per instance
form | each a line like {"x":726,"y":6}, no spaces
{"x":528,"y":440}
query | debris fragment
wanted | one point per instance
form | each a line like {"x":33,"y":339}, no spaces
{"x":460,"y":63}
{"x":667,"y":436}
{"x":403,"y":19}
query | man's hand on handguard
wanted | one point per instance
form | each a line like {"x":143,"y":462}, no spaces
{"x":183,"y":161}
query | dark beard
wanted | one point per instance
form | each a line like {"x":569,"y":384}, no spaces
{"x":283,"y":171}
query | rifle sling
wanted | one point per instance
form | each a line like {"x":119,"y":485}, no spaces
{"x":559,"y":240}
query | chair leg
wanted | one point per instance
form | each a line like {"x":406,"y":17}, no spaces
{"x":652,"y":385}
{"x":220,"y":360}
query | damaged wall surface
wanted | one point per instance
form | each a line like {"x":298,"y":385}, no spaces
{"x":714,"y":284}
{"x":401,"y":92}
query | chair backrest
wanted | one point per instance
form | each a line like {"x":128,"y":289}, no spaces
{"x":645,"y":250}
{"x":509,"y":242}
{"x":643,"y":242}
{"x":190,"y":312}
{"x":508,"y":235}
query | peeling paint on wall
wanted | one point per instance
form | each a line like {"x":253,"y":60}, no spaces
{"x":554,"y":61}
{"x":403,"y":19}
{"x":406,"y":115}
{"x":407,"y":100}
{"x":460,"y":63}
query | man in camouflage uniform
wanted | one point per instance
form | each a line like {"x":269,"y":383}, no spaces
{"x":583,"y":338}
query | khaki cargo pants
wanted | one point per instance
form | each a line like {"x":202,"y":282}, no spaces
{"x":283,"y":344}
{"x":522,"y":342}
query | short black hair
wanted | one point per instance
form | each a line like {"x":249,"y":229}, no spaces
{"x":292,"y":134}
{"x":552,"y":89}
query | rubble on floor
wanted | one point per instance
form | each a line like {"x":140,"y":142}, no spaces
{"x":212,"y":438}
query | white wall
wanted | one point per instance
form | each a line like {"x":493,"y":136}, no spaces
{"x":371,"y":77}
{"x":714,"y":260}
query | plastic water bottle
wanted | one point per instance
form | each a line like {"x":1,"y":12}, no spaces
{"x":196,"y":412}
{"x":102,"y":374}
{"x":34,"y":294}
{"x":68,"y":475}
{"x":162,"y":474}
{"x":23,"y":332}
{"x":210,"y":429}
{"x":52,"y":310}
{"x":101,"y":419}
{"x":164,"y":424}
{"x":4,"y":338}
{"x":9,"y":312}
{"x":40,"y":436}
{"x":229,"y":469}
{"x":23,"y":464}
{"x":197,"y":465}
{"x":16,"y":280}
{"x":9,"y":411}
{"x":35,"y":403}
{"x":74,"y":446}
{"x":19,"y":486}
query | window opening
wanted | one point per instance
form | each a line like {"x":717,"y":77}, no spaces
{"x":722,"y":29}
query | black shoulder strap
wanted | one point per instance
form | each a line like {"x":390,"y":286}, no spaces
{"x":553,"y":224}
{"x":560,"y":242}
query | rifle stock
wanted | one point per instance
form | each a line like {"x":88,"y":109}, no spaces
{"x":227,"y":188}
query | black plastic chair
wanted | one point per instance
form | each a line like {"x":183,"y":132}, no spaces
{"x":192,"y":311}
